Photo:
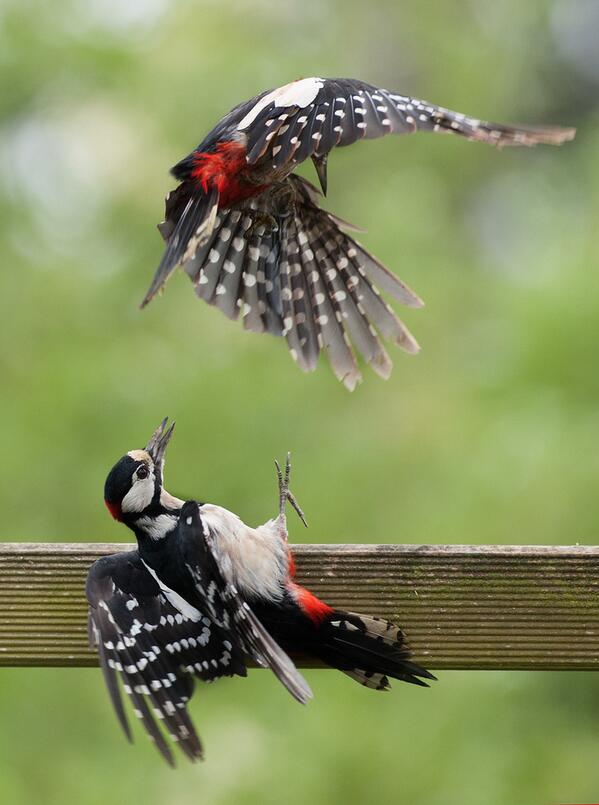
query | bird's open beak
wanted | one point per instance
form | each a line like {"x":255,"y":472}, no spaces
{"x":157,"y":445}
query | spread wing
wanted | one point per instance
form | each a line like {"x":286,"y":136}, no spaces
{"x":189,"y":223}
{"x":229,"y":609}
{"x":310,"y":117}
{"x":155,"y":649}
{"x":308,"y":281}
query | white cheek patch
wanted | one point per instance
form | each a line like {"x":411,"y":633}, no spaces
{"x":298,"y":93}
{"x":139,"y":496}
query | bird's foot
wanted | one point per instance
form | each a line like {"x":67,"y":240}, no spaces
{"x":285,"y":493}
{"x":265,"y":221}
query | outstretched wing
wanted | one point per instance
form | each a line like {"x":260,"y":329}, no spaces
{"x":309,"y":117}
{"x":154,"y":648}
{"x":229,"y":609}
{"x":307,"y":280}
{"x":189,"y":220}
{"x":296,"y":272}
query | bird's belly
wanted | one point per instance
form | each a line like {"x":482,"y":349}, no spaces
{"x":253,"y":559}
{"x":257,"y":570}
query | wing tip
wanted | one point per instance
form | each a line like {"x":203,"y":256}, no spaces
{"x":562,"y":134}
{"x":416,"y":302}
{"x":147,"y":299}
{"x":161,"y":276}
{"x":351,"y":379}
{"x":501,"y":135}
{"x":408,"y":343}
{"x":382,"y":364}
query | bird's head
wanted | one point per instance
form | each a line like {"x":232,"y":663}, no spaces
{"x":134,"y":485}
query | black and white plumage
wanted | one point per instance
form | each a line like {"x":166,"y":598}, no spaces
{"x":251,"y":235}
{"x":165,"y":613}
{"x":197,"y":575}
{"x":252,"y":571}
{"x":141,"y":637}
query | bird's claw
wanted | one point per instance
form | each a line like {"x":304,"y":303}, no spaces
{"x":265,"y":220}
{"x":284,"y":492}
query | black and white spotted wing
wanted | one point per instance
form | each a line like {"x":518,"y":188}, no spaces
{"x":189,"y":220}
{"x":195,"y":541}
{"x":155,"y":649}
{"x":310,"y":117}
{"x":289,"y":268}
{"x":306,"y":279}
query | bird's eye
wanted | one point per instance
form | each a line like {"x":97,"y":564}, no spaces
{"x":143,"y":472}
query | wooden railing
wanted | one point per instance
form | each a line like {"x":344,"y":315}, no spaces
{"x":461,"y":606}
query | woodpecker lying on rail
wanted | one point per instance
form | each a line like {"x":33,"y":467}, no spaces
{"x":164,"y":613}
{"x":254,"y":242}
{"x":256,"y":564}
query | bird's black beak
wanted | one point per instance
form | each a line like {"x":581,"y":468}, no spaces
{"x":157,"y":445}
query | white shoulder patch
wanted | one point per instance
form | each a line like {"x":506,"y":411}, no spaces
{"x":181,"y":605}
{"x":297,"y":93}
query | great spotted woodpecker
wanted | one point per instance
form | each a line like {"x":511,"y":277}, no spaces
{"x":165,"y":613}
{"x":256,"y":564}
{"x":253,"y":240}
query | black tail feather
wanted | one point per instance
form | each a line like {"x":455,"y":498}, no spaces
{"x":369,"y":650}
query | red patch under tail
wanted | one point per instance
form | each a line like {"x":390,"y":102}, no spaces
{"x":226,"y":169}
{"x":311,"y":606}
{"x":291,"y":565}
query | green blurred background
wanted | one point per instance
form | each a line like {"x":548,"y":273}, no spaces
{"x":488,"y":436}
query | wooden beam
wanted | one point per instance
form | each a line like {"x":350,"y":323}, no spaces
{"x":461,"y":606}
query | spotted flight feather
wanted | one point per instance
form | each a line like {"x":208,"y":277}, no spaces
{"x":155,"y":650}
{"x":238,"y":182}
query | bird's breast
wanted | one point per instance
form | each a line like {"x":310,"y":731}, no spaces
{"x":253,"y":559}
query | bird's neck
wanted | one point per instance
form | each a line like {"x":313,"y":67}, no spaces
{"x":156,"y":522}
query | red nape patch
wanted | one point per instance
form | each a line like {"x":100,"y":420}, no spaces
{"x":312,"y":606}
{"x":114,"y":509}
{"x":226,"y":169}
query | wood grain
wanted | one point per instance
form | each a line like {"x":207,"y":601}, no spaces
{"x":461,"y":606}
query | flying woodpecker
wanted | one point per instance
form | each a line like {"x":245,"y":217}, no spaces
{"x":259,"y":565}
{"x":165,"y":613}
{"x":251,"y":235}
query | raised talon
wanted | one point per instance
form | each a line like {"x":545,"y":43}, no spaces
{"x":285,"y":494}
{"x":282,"y":490}
{"x":296,"y":506}
{"x":287,"y":471}
{"x":263,"y":219}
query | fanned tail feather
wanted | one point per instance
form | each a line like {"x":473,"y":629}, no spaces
{"x":369,"y":650}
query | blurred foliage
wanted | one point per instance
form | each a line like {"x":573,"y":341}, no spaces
{"x":489,"y":435}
